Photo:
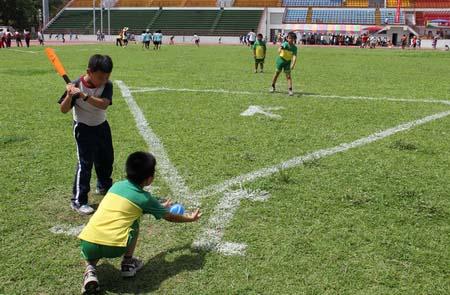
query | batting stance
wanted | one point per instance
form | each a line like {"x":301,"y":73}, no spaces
{"x":89,"y":96}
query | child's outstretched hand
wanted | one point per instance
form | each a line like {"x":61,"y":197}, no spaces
{"x":194,"y":216}
{"x":167,"y":203}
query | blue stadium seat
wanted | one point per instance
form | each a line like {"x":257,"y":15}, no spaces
{"x":296,"y":16}
{"x":314,"y":3}
{"x":390,"y":15}
{"x":343,"y":16}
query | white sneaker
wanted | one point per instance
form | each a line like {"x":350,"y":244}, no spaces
{"x":130,"y":267}
{"x":272,"y":89}
{"x":90,"y":281}
{"x":291,"y":92}
{"x":83,"y":209}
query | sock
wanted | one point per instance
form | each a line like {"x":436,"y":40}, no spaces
{"x":290,"y":88}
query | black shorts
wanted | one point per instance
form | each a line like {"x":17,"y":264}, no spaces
{"x":252,"y":42}
{"x":156,"y":42}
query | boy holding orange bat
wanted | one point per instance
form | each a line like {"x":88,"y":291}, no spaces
{"x":89,"y":96}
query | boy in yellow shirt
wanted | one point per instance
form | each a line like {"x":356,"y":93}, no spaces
{"x":286,"y":61}
{"x":259,"y":52}
{"x":113,"y":229}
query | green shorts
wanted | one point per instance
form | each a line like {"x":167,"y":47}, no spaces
{"x":259,"y":60}
{"x":92,"y":251}
{"x":282,"y":64}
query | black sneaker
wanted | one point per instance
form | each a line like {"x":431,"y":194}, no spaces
{"x":130,"y":267}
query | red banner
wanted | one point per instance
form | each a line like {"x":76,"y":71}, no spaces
{"x":397,"y":12}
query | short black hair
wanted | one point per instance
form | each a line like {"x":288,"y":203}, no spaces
{"x":102,"y":63}
{"x":293,"y":35}
{"x":140,"y":166}
{"x":260,"y":35}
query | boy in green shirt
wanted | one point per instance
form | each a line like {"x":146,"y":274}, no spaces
{"x":113,"y":229}
{"x":259,"y":52}
{"x":286,"y":61}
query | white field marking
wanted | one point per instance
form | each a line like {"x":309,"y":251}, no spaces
{"x":157,"y":89}
{"x":25,"y":51}
{"x":210,"y":238}
{"x":297,"y":161}
{"x":165,"y":167}
{"x":67,"y":229}
{"x":253,"y":110}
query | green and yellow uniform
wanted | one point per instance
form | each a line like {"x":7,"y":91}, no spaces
{"x":116,"y":222}
{"x":287,"y":53}
{"x":260,"y":51}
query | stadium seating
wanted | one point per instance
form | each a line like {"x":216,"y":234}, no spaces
{"x":432,"y":4}
{"x":315,"y":3}
{"x":257,"y":3}
{"x":404,"y":4}
{"x":356,"y":3}
{"x":237,"y":21}
{"x":79,"y":21}
{"x":178,"y":21}
{"x":185,"y":21}
{"x":423,"y":17}
{"x":343,"y":16}
{"x":390,"y":15}
{"x":133,"y":3}
{"x":296,"y":16}
{"x":200,"y":3}
{"x":84,"y":3}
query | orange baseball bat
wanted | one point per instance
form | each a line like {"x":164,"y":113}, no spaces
{"x":57,"y":64}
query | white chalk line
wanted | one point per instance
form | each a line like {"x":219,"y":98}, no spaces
{"x":266,"y":111}
{"x":67,"y":229}
{"x":409,"y":100}
{"x":210,"y":238}
{"x":297,"y":161}
{"x":24,"y":51}
{"x":165,"y":167}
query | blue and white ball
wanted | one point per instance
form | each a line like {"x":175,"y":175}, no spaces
{"x":177,"y":209}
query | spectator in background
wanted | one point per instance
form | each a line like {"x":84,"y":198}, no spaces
{"x":27,"y":37}
{"x":446,"y":48}
{"x":8,"y":37}
{"x":18,"y":38}
{"x":251,"y":37}
{"x":2,"y":39}
{"x":404,"y":40}
{"x":434,"y":42}
{"x":171,"y":42}
{"x":41,"y":38}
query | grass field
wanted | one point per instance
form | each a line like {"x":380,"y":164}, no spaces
{"x":374,"y":219}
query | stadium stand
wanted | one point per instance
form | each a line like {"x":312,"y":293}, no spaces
{"x":315,"y":3}
{"x":296,"y":16}
{"x":185,"y":21}
{"x":390,"y":15}
{"x":84,"y":3}
{"x":240,"y":21}
{"x":404,"y":4}
{"x":343,"y":16}
{"x":257,"y":3}
{"x":432,"y":4}
{"x":79,"y":21}
{"x":200,"y":3}
{"x":178,"y":22}
{"x":423,"y":17}
{"x":357,"y":3}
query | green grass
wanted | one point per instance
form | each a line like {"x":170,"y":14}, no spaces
{"x":372,"y":220}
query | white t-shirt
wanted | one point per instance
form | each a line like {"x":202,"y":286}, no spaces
{"x":252,"y":36}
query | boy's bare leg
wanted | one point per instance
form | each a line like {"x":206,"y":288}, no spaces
{"x":274,"y":80}
{"x":289,"y":81}
{"x":262,"y":67}
{"x":131,"y":247}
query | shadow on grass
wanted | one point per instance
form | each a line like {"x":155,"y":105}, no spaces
{"x":155,"y":271}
